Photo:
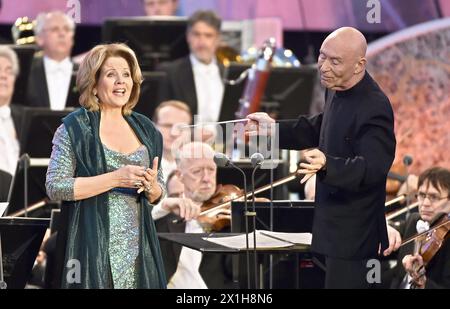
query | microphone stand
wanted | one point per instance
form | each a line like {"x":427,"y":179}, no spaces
{"x":25,"y":164}
{"x":223,"y":160}
{"x":253,"y":214}
{"x":247,"y":247}
{"x":3,"y":285}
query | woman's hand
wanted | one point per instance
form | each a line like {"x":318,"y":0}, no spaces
{"x":129,"y":176}
{"x":150,"y":183}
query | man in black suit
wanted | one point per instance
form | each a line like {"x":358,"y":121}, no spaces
{"x":5,"y":182}
{"x":434,"y":201}
{"x":187,"y":268}
{"x":196,"y":79}
{"x":351,"y":149}
{"x":52,"y":80}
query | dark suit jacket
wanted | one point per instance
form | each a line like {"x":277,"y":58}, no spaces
{"x":356,"y":133}
{"x":37,"y":90}
{"x":437,"y":270}
{"x":5,"y":182}
{"x":215,"y":269}
{"x":179,"y":83}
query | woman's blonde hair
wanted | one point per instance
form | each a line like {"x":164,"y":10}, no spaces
{"x":89,"y":74}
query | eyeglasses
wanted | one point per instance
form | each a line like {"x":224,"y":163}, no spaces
{"x":433,"y":198}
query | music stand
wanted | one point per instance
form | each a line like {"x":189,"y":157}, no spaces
{"x":288,"y":93}
{"x":149,"y":97}
{"x":153,"y":39}
{"x":39,"y":127}
{"x":20,"y":240}
{"x":196,"y":242}
{"x":25,"y":54}
{"x":289,"y":217}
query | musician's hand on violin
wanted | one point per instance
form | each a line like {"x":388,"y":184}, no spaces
{"x":315,"y":161}
{"x":207,"y":221}
{"x":414,"y":266}
{"x":395,"y":240}
{"x":183,"y":207}
{"x":259,"y":123}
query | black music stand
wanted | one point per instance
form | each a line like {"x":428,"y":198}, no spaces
{"x":25,"y":54}
{"x":20,"y":240}
{"x":282,"y":271}
{"x":196,"y":242}
{"x":153,"y":39}
{"x":149,"y":97}
{"x":288,"y":92}
{"x":39,"y":127}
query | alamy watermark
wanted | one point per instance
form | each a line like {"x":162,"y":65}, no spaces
{"x":374,"y":14}
{"x":74,"y":10}
{"x":73,"y":274}
{"x":374,"y":274}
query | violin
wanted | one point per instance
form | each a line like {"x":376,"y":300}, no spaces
{"x":209,"y":216}
{"x":431,"y":241}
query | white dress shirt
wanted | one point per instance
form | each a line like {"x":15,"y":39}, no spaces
{"x":187,"y":275}
{"x":209,"y":88}
{"x":58,"y":75}
{"x":9,"y":143}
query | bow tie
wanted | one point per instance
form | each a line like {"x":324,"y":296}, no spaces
{"x":422,"y":226}
{"x":5,"y":112}
{"x":58,"y":67}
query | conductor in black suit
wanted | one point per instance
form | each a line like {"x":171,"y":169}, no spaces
{"x":351,"y":149}
{"x":196,"y":79}
{"x":52,"y":81}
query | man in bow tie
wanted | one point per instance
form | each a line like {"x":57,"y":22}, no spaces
{"x":433,"y":197}
{"x":52,"y":82}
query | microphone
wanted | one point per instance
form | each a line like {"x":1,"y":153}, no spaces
{"x":256,"y":159}
{"x":222,"y":160}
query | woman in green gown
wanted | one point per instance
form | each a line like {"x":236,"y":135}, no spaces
{"x":105,"y":168}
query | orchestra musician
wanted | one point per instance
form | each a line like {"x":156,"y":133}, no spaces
{"x":187,"y":268}
{"x":433,"y":197}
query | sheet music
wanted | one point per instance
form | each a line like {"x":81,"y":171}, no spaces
{"x":294,"y":238}
{"x":3,"y":207}
{"x":263,"y":240}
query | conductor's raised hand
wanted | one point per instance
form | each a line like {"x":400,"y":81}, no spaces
{"x":259,"y":123}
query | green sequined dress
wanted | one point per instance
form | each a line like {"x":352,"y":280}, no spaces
{"x":123,"y":205}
